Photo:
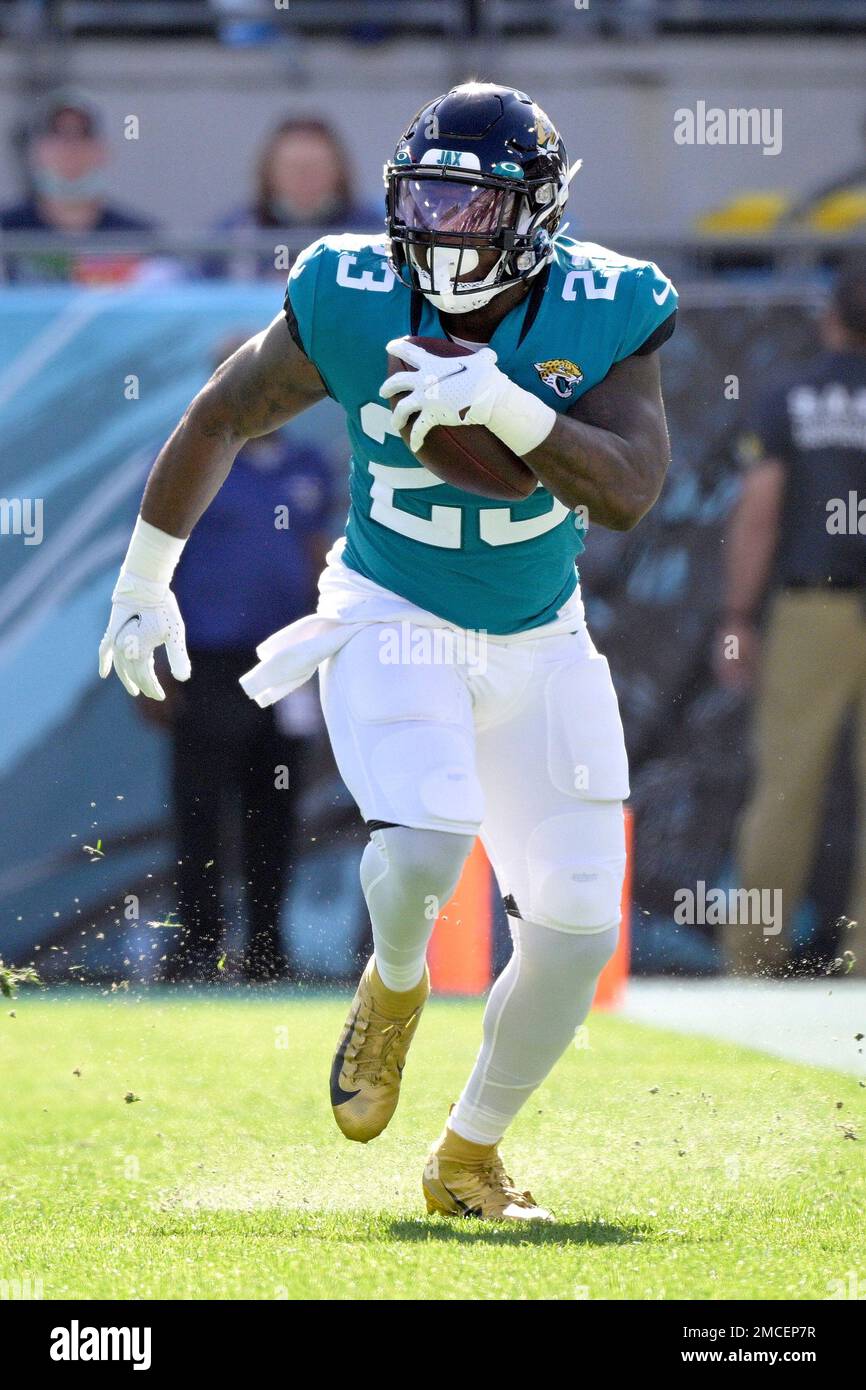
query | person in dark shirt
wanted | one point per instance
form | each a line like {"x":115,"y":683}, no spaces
{"x":67,"y":158}
{"x":798,"y":539}
{"x":249,"y":568}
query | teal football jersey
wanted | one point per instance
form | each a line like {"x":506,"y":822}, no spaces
{"x":503,"y":567}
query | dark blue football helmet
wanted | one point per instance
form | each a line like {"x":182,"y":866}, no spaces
{"x":479,"y":169}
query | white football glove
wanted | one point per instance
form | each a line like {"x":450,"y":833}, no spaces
{"x":144,"y":615}
{"x":467,"y":390}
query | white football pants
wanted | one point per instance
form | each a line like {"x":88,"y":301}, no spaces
{"x":518,"y":740}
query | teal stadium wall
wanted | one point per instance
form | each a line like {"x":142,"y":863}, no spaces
{"x":72,"y":746}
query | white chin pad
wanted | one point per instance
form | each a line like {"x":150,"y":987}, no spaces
{"x":446,"y":260}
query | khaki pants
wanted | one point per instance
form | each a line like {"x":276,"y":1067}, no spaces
{"x":813,"y":672}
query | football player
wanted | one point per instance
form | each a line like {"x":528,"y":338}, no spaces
{"x":525,"y":747}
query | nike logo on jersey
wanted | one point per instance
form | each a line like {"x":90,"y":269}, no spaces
{"x":660,"y":298}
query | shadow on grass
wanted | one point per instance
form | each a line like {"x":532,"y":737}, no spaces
{"x":469,"y":1232}
{"x":267,"y":1218}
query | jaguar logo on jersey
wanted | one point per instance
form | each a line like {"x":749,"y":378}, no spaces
{"x":560,"y":375}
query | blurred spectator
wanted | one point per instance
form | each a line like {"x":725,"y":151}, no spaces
{"x":798,"y":534}
{"x":67,"y":164}
{"x":303,"y":179}
{"x":249,"y":568}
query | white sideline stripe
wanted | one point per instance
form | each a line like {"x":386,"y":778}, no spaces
{"x":811,"y":1021}
{"x":79,"y":525}
{"x":49,"y":342}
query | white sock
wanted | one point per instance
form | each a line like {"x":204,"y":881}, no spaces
{"x":541,"y":997}
{"x":407,"y":877}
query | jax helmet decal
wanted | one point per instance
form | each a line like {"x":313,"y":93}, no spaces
{"x":480,"y":169}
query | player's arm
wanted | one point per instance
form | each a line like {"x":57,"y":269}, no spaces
{"x":263,"y":385}
{"x":610,"y":452}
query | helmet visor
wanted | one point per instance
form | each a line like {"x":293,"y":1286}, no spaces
{"x":453,"y":208}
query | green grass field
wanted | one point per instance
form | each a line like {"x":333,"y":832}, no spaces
{"x":677,"y":1168}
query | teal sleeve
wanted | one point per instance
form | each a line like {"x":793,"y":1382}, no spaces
{"x":654,"y":299}
{"x":301,"y":295}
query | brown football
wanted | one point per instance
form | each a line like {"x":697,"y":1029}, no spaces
{"x":467,"y":456}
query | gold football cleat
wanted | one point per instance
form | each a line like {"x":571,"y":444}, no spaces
{"x":466,"y":1179}
{"x":371,"y":1054}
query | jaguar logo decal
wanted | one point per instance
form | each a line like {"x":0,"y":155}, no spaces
{"x":560,"y":375}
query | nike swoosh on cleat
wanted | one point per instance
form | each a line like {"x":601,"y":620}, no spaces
{"x":661,"y":297}
{"x":338,"y":1095}
{"x":463,"y":1206}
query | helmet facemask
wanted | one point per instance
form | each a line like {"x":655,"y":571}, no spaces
{"x":442,"y":222}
